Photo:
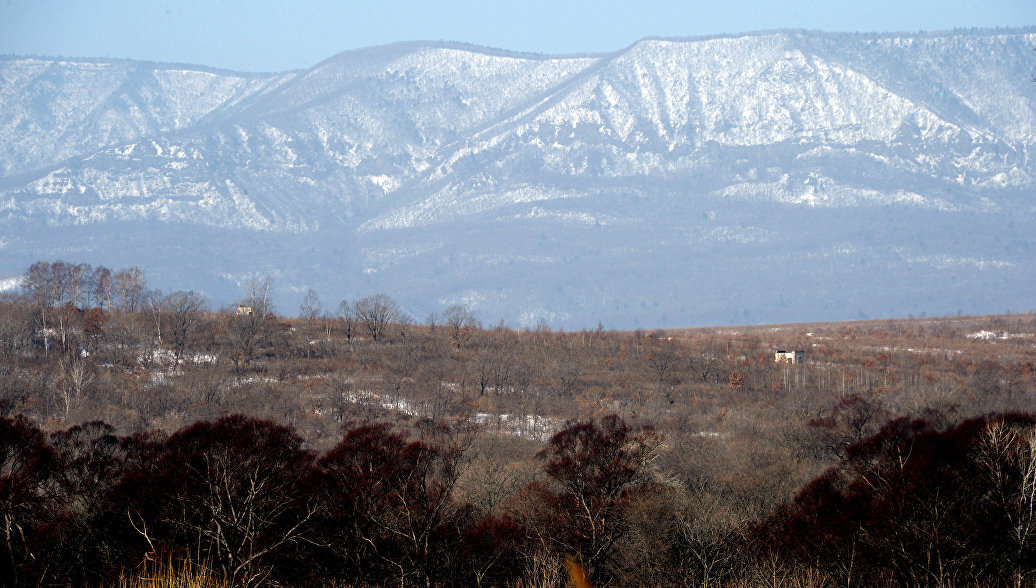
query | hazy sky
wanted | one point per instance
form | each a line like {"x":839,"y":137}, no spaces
{"x":258,"y":35}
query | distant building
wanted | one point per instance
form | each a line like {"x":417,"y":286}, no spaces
{"x":782,"y":356}
{"x":244,"y":310}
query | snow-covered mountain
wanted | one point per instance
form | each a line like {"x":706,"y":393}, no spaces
{"x":759,"y":178}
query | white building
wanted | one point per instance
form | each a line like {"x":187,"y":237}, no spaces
{"x":782,"y":356}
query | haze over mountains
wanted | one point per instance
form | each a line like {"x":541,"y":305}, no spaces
{"x":769,"y":177}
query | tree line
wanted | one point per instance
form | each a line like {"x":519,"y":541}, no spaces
{"x":246,"y":498}
{"x":914,"y":505}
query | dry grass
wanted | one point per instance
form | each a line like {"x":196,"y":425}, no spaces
{"x":172,"y":575}
{"x":576,"y":574}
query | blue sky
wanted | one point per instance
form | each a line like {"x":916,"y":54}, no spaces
{"x":258,"y":35}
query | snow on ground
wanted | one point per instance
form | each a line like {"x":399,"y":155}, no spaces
{"x":989,"y":335}
{"x":532,"y":426}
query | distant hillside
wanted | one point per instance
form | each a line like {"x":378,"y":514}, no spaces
{"x":771,"y":177}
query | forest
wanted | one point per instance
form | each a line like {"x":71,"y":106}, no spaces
{"x":146,"y":435}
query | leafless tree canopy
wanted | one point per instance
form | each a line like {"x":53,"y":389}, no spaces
{"x":185,"y":313}
{"x":376,"y":313}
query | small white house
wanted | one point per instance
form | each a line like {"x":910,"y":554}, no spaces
{"x":782,"y":356}
{"x":243,"y":310}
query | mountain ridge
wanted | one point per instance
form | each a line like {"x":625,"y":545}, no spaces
{"x":421,"y":152}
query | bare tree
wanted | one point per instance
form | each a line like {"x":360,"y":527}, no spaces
{"x":103,"y":283}
{"x":311,"y":307}
{"x":597,"y":468}
{"x":311,"y":311}
{"x":347,"y":315}
{"x":74,"y":381}
{"x":1008,"y":455}
{"x":403,"y":511}
{"x":94,"y":320}
{"x":131,"y":286}
{"x":184,"y":310}
{"x":15,"y":332}
{"x":851,"y":420}
{"x":59,"y":281}
{"x":462,"y":323}
{"x":38,"y":284}
{"x":251,"y":327}
{"x":68,"y":318}
{"x":27,"y":472}
{"x":121,"y":338}
{"x":376,"y":313}
{"x":705,"y":364}
{"x":153,"y":304}
{"x":78,"y":276}
{"x":237,"y":492}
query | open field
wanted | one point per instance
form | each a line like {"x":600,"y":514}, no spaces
{"x":728,"y":436}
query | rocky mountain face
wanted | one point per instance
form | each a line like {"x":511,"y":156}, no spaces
{"x":760,"y":178}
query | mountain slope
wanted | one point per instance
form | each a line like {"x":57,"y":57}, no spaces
{"x":765,"y":177}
